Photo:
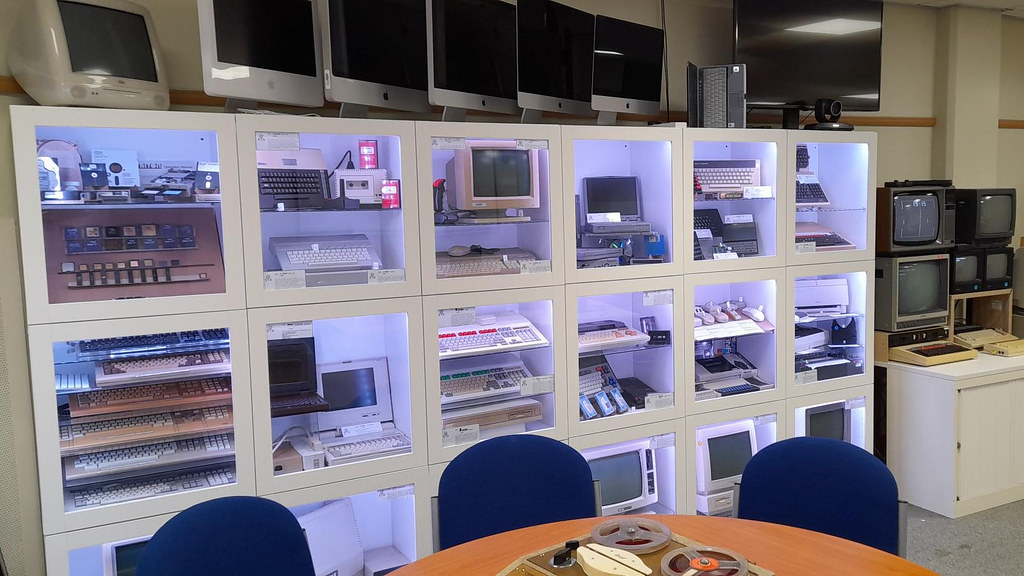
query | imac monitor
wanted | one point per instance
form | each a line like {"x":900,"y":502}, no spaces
{"x":985,"y":217}
{"x":356,"y":391}
{"x":262,"y":50}
{"x":88,"y":53}
{"x":998,"y":269}
{"x":828,"y":421}
{"x":627,"y":66}
{"x":722,"y":453}
{"x":375,"y":53}
{"x":489,"y":175}
{"x":471,"y":61}
{"x":627,"y":473}
{"x":911,"y":292}
{"x":121,"y":558}
{"x":967,"y":270}
{"x":555,"y":48}
{"x":612,"y":195}
{"x":292,"y":366}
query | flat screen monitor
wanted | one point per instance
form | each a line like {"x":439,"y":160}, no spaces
{"x":262,"y":50}
{"x":555,"y":51}
{"x":472,"y":55}
{"x":356,"y":391}
{"x":375,"y":53}
{"x":722,"y":453}
{"x":998,"y":269}
{"x":612,"y":195}
{"x":627,"y":66}
{"x":291,"y":365}
{"x":88,"y":53}
{"x":627,"y":473}
{"x":494,"y":175}
{"x":828,"y":421}
{"x":831,"y":50}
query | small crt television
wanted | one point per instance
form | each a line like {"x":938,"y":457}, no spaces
{"x":913,"y":220}
{"x":911,"y":292}
{"x":967,"y":270}
{"x":828,"y":421}
{"x":494,"y":175}
{"x":998,"y":273}
{"x":985,"y":217}
{"x":722,"y":452}
{"x":356,"y":391}
{"x":628,"y":475}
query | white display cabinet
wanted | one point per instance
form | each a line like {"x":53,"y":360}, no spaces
{"x":830,"y":199}
{"x":624,"y":369}
{"x":336,"y":392}
{"x":120,"y":207}
{"x":499,"y":217}
{"x":833,"y":325}
{"x":641,"y":469}
{"x":621,"y":194}
{"x":721,"y":444}
{"x":734,"y":199}
{"x":132,"y":423}
{"x":737,"y":349}
{"x":329,"y":210}
{"x":495,"y":367}
{"x":102,"y":551}
{"x":845,"y":415}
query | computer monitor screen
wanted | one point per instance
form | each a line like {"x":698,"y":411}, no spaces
{"x":556,"y":55}
{"x":380,"y":41}
{"x":831,"y":49}
{"x":830,"y":423}
{"x":997,"y":265}
{"x":728,"y":454}
{"x":107,"y":42}
{"x":919,"y":288}
{"x":349,"y":389}
{"x":612,"y":194}
{"x":965,"y":269}
{"x":501,"y":173}
{"x":915,"y":219}
{"x":291,"y":365}
{"x":126,"y":557}
{"x":995,"y":214}
{"x":627,"y":60}
{"x":246,"y":32}
{"x":621,"y":476}
{"x":474,"y":47}
{"x":356,"y":391}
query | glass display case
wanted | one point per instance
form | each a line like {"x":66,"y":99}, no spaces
{"x":832,"y":206}
{"x":622,"y":184}
{"x":734,"y":211}
{"x":497,"y":365}
{"x":334,"y":391}
{"x":494,"y":197}
{"x":131,"y":419}
{"x":331,"y":202}
{"x":626,"y":358}
{"x":841,"y":415}
{"x":124,"y":210}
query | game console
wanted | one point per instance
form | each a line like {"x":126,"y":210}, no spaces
{"x":122,"y":166}
{"x":725,"y":366}
{"x":362,"y":186}
{"x":822,"y":296}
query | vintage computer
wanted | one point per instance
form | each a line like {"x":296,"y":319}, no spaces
{"x":828,"y":421}
{"x":357,"y":392}
{"x":555,"y":55}
{"x":722,"y":453}
{"x":121,"y":558}
{"x":911,"y":292}
{"x":716,"y":96}
{"x":984,"y":217}
{"x":611,"y":204}
{"x":291,"y":365}
{"x":628,"y":475}
{"x":967,"y":270}
{"x":261,"y":50}
{"x":101,"y":53}
{"x":627,"y":67}
{"x":914,"y":220}
{"x":489,"y":178}
{"x":998,"y":268}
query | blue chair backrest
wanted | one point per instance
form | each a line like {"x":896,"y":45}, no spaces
{"x":511,"y":482}
{"x":232,"y":535}
{"x":823,"y":485}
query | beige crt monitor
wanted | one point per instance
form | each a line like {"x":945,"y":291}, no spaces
{"x":494,"y":175}
{"x":88,"y":53}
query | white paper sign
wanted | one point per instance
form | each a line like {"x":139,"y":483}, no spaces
{"x":658,"y":400}
{"x":396,"y":492}
{"x":663,"y":441}
{"x":535,"y":266}
{"x":448,"y":143}
{"x":284,"y":280}
{"x":456,"y":317}
{"x":385,"y":276}
{"x":537,"y":385}
{"x":287,"y":330}
{"x":460,"y":435}
{"x":526,"y":144}
{"x":604,"y":217}
{"x":703,"y":233}
{"x":727,"y":330}
{"x":806,"y":377}
{"x":359,"y":429}
{"x":277,"y":140}
{"x":807,"y":178}
{"x":806,"y":247}
{"x":725,"y":255}
{"x":657,"y":297}
{"x":737,"y":218}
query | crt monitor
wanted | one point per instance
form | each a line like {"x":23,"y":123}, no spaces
{"x":913,"y":220}
{"x":291,"y":364}
{"x":628,"y":475}
{"x":261,"y":50}
{"x":555,"y":51}
{"x":998,"y":268}
{"x":494,"y":175}
{"x":985,"y":217}
{"x":612,"y":195}
{"x":966,"y":270}
{"x":627,"y":66}
{"x":911,"y":292}
{"x":375,"y":53}
{"x":471,"y":61}
{"x":121,"y":558}
{"x":828,"y":421}
{"x":88,"y":53}
{"x":356,"y":391}
{"x":722,"y":453}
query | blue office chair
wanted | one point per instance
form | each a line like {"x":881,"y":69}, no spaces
{"x":232,"y":535}
{"x":511,"y":482}
{"x":827,"y":486}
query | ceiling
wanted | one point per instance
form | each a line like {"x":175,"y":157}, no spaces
{"x":1009,"y":7}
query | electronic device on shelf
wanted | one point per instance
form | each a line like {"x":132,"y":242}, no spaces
{"x":723,"y":451}
{"x":829,"y":421}
{"x":1008,"y":348}
{"x":594,"y":373}
{"x":629,"y":470}
{"x":105,"y":493}
{"x":729,"y":387}
{"x":278,"y":48}
{"x":343,"y":252}
{"x":499,"y":332}
{"x":133,"y":237}
{"x":978,"y":337}
{"x":826,"y":364}
{"x":146,"y":369}
{"x":809,"y":191}
{"x":501,"y":413}
{"x":490,"y":177}
{"x":808,"y":337}
{"x":170,"y":395}
{"x":143,"y":343}
{"x":726,"y":179}
{"x":914,"y":220}
{"x":558,"y":41}
{"x":484,"y":262}
{"x":609,"y":335}
{"x":53,"y":54}
{"x":823,"y":239}
{"x":739,"y":237}
{"x":630,"y":83}
{"x":821,"y":296}
{"x":388,"y":442}
{"x":356,"y":391}
{"x":932,"y":353}
{"x":911,"y":292}
{"x":717,"y":95}
{"x":984,"y":217}
{"x":613,"y":395}
{"x":362,"y":69}
{"x":291,"y":365}
{"x":131,"y":460}
{"x":364,"y":187}
{"x":723,"y":367}
{"x":293,"y":180}
{"x":597,"y":257}
{"x":611,"y":205}
{"x":703,"y":245}
{"x":998,"y":268}
{"x":120,"y":558}
{"x":480,"y":384}
{"x":79,"y":436}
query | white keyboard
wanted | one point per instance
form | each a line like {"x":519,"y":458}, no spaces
{"x":477,"y":267}
{"x":111,"y":427}
{"x":147,"y":456}
{"x":508,"y":333}
{"x":113,"y":493}
{"x":377,"y":444}
{"x":71,"y":382}
{"x":192,"y":364}
{"x":330,"y":258}
{"x":462,"y":386}
{"x":611,"y":339}
{"x":591,"y":383}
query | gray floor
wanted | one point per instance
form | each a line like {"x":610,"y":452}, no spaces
{"x":987,"y":542}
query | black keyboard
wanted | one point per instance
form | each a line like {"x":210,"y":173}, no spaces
{"x":737,"y":389}
{"x":810,"y":193}
{"x":743,"y":247}
{"x":933,"y":350}
{"x":292,"y":182}
{"x":217,"y":335}
{"x":824,"y":240}
{"x":298,"y":403}
{"x":803,"y":158}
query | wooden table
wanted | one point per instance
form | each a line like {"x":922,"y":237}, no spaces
{"x":784,"y":550}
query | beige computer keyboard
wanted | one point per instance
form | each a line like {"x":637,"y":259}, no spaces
{"x":1011,"y":348}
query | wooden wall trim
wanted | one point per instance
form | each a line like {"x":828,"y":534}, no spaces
{"x":1009,"y":124}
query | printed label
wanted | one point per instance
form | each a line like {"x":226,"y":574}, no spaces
{"x":657,"y":297}
{"x":385,"y":276}
{"x":658,"y":400}
{"x":456,"y":317}
{"x":448,"y":143}
{"x":663,"y":441}
{"x":737,"y":218}
{"x":460,"y":435}
{"x":396,"y":492}
{"x":806,"y":247}
{"x":806,"y":377}
{"x":535,"y":266}
{"x":358,"y":429}
{"x":537,"y":385}
{"x":277,"y":140}
{"x":528,"y":144}
{"x":725,"y":255}
{"x":284,"y":280}
{"x":287,"y":330}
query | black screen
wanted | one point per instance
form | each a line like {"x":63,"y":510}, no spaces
{"x":965,"y":269}
{"x":349,"y":389}
{"x":920,"y":288}
{"x":915,"y":219}
{"x":556,"y":50}
{"x":268,"y":34}
{"x":997,"y":266}
{"x":729,"y":454}
{"x":621,"y":476}
{"x":292,"y":365}
{"x":126,"y":558}
{"x":827,"y":424}
{"x":107,"y":42}
{"x":995,"y":214}
{"x":844,"y":65}
{"x":475,"y":47}
{"x":501,"y":173}
{"x":612,"y":194}
{"x":380,"y":41}
{"x":627,"y":60}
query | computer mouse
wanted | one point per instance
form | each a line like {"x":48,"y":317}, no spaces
{"x":755,"y":314}
{"x":458,"y":250}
